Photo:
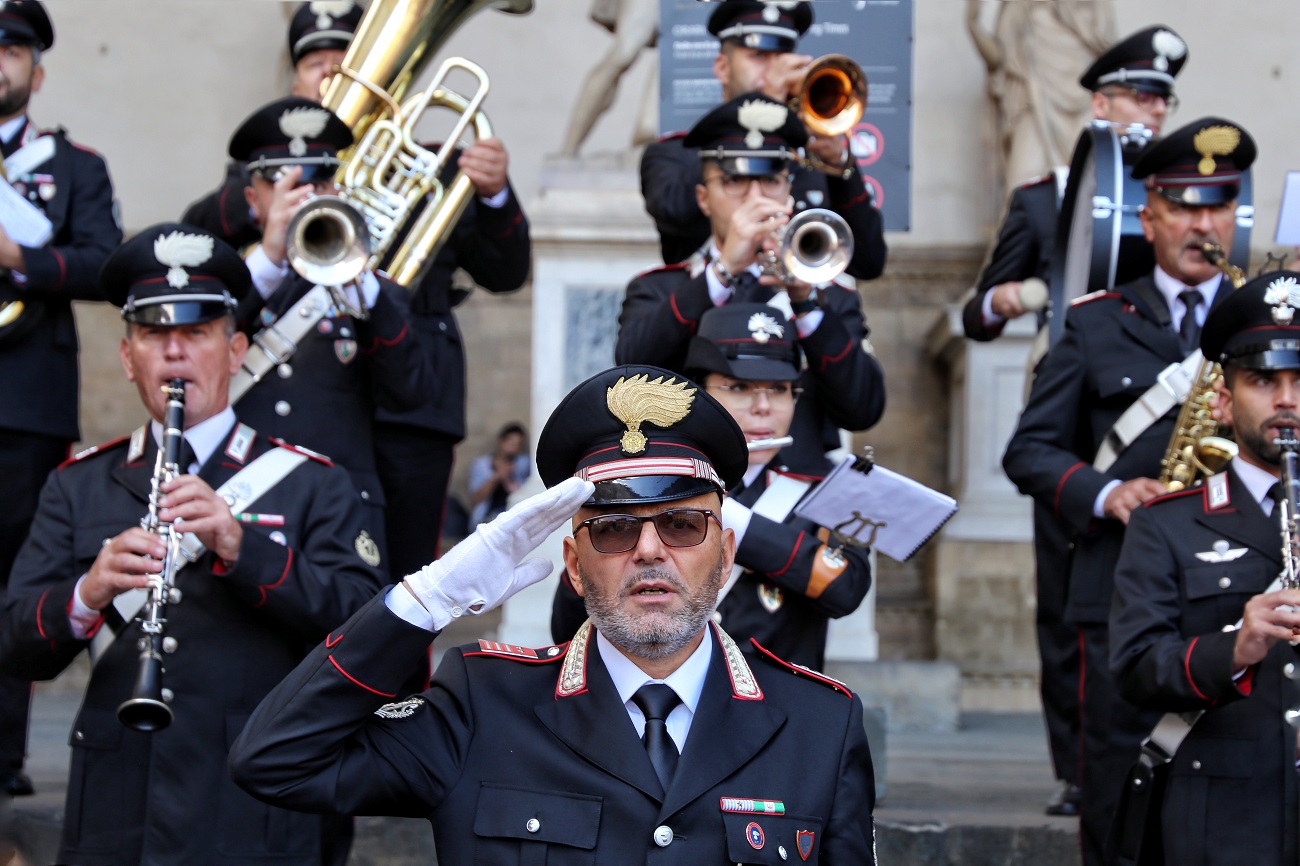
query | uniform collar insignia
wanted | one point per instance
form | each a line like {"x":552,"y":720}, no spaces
{"x":180,"y":250}
{"x":136,"y":449}
{"x":1216,"y":490}
{"x":743,"y":685}
{"x":763,"y":328}
{"x":760,"y":116}
{"x":573,"y":673}
{"x":1283,"y":295}
{"x":1221,"y":551}
{"x":300,"y":124}
{"x":1167,"y":46}
{"x":639,"y":399}
{"x":1214,"y":141}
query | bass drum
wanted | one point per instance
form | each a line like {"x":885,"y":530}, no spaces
{"x":1099,"y":240}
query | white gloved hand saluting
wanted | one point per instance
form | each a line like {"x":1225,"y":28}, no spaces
{"x":486,"y":569}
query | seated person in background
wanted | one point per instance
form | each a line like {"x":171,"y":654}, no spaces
{"x":785,"y":585}
{"x":493,"y":477}
{"x":268,"y":580}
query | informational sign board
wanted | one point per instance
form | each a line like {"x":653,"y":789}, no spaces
{"x":878,"y":34}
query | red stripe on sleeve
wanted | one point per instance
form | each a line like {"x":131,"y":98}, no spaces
{"x":1056,"y":503}
{"x":797,"y":542}
{"x":264,"y":589}
{"x":358,"y":682}
{"x":1187,"y":669}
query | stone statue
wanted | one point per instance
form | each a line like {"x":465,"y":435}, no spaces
{"x":635,"y":25}
{"x":1035,"y":53}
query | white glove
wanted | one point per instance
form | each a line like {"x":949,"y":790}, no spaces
{"x":485,"y":569}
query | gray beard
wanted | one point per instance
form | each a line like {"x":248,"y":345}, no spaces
{"x":652,"y":636}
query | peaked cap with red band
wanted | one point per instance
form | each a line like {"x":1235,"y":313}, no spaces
{"x":745,"y":341}
{"x":1257,"y":327}
{"x":642,"y":435}
{"x":763,"y":26}
{"x":291,"y":131}
{"x":320,"y":25}
{"x":25,"y":22}
{"x":175,"y":274}
{"x":1198,"y":164}
{"x":1148,"y":60}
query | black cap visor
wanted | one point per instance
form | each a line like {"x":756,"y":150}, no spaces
{"x":194,"y":311}
{"x":649,"y":489}
{"x":1277,"y":354}
{"x":751,"y":163}
{"x":314,"y":169}
{"x":321,"y":40}
{"x":1197,"y":194}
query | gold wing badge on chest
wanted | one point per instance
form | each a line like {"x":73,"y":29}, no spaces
{"x":1221,"y":551}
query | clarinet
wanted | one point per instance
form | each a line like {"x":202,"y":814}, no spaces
{"x":146,"y":710}
{"x":1290,"y":508}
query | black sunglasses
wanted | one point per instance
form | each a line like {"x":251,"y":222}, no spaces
{"x":677,"y":527}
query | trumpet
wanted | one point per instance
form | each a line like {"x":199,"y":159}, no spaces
{"x":830,"y":101}
{"x":815,"y":246}
{"x":146,"y":710}
{"x":329,"y":244}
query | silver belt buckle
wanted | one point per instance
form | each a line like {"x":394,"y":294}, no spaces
{"x":1175,"y":380}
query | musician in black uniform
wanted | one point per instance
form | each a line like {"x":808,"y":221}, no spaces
{"x":1126,"y":88}
{"x":785,"y":588}
{"x":38,"y":349}
{"x":1131,"y":82}
{"x":649,"y":738}
{"x":756,"y":53}
{"x":751,"y":142}
{"x":358,"y":351}
{"x":1197,"y":563}
{"x":319,"y":34}
{"x":1081,"y":452}
{"x":269,"y":582}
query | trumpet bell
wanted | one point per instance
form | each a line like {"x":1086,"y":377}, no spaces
{"x":815,"y":247}
{"x":833,"y":96}
{"x":328,"y":242}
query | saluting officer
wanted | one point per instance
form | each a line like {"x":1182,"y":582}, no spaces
{"x":1200,"y":623}
{"x":1097,"y":422}
{"x":69,"y":185}
{"x":648,"y":738}
{"x":747,"y":148}
{"x":756,"y":48}
{"x":321,"y":362}
{"x":271,"y":578}
{"x":1132,"y":82}
{"x":786,"y":584}
{"x":319,"y":34}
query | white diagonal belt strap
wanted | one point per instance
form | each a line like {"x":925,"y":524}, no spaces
{"x":240,"y":491}
{"x":276,"y":343}
{"x":776,"y":502}
{"x":1172,"y":386}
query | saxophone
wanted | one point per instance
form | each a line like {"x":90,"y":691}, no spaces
{"x":1196,"y":449}
{"x":146,"y":709}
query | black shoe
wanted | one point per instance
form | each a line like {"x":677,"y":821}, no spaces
{"x":19,"y":784}
{"x":1065,"y":801}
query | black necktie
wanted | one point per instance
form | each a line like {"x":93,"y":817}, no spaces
{"x":1275,"y":494}
{"x":187,"y":457}
{"x":1189,"y":333}
{"x":745,"y":289}
{"x":656,"y":701}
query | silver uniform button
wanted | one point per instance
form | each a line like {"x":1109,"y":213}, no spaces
{"x":285,"y":370}
{"x":365,"y":494}
{"x":1289,"y":670}
{"x":533,"y":825}
{"x":1225,"y":582}
{"x":282,"y":408}
{"x":170,"y":644}
{"x":780,"y":850}
{"x":1196,"y":765}
{"x":304,"y":311}
{"x":1126,"y":381}
{"x":663,"y":835}
{"x":716,"y":616}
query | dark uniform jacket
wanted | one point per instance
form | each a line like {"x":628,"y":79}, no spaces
{"x":670,"y":172}
{"x":340,"y":372}
{"x":1023,"y":250}
{"x":39,"y":379}
{"x":225,"y":212}
{"x":843,"y":383}
{"x":528,"y":756}
{"x":1114,"y":346}
{"x":769,"y":602}
{"x":166,"y":797}
{"x":1190,"y":563}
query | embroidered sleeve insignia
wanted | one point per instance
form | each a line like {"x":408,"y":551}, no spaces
{"x":401,"y":709}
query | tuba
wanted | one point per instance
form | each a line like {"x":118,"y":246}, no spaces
{"x":387,"y":178}
{"x":1196,"y":450}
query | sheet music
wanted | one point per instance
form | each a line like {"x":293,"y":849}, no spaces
{"x":22,"y":220}
{"x":889,"y":511}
